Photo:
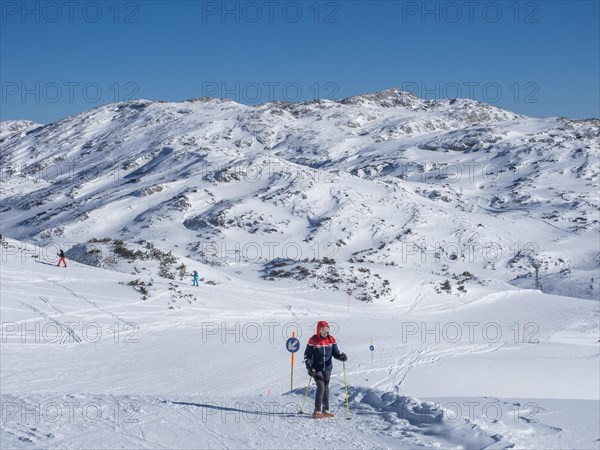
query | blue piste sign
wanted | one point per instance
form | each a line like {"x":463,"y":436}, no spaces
{"x":292,"y":345}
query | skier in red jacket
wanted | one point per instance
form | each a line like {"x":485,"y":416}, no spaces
{"x":320,"y":348}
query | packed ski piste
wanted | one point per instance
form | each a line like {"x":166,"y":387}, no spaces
{"x":192,"y":282}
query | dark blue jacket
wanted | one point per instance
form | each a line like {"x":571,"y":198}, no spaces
{"x":319,"y":351}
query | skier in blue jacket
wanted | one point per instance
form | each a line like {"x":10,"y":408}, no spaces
{"x":320,"y":348}
{"x":195,"y":282}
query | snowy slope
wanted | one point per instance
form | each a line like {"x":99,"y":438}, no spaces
{"x":16,"y":128}
{"x":416,"y":225}
{"x":106,"y":369}
{"x":384,"y":182}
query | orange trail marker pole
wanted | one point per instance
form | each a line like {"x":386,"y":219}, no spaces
{"x":292,"y":371}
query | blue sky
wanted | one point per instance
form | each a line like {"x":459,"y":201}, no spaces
{"x":539,"y":58}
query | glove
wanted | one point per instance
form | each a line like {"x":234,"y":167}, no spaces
{"x":311,"y":372}
{"x":343,"y":357}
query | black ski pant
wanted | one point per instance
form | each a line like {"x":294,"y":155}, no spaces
{"x":322,"y":396}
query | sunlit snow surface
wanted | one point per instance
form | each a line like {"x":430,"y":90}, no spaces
{"x":389,"y":194}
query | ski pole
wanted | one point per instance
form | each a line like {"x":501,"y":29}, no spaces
{"x":305,"y":395}
{"x":346,"y":385}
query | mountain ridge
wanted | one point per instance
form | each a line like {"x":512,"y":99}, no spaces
{"x":384,"y":181}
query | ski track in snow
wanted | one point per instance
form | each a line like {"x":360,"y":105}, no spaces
{"x":95,"y":305}
{"x":61,"y":325}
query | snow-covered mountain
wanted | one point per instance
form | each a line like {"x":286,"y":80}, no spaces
{"x":382,"y":194}
{"x":12,"y":128}
{"x":416,"y":227}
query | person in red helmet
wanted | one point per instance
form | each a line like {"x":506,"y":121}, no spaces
{"x":320,"y":348}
